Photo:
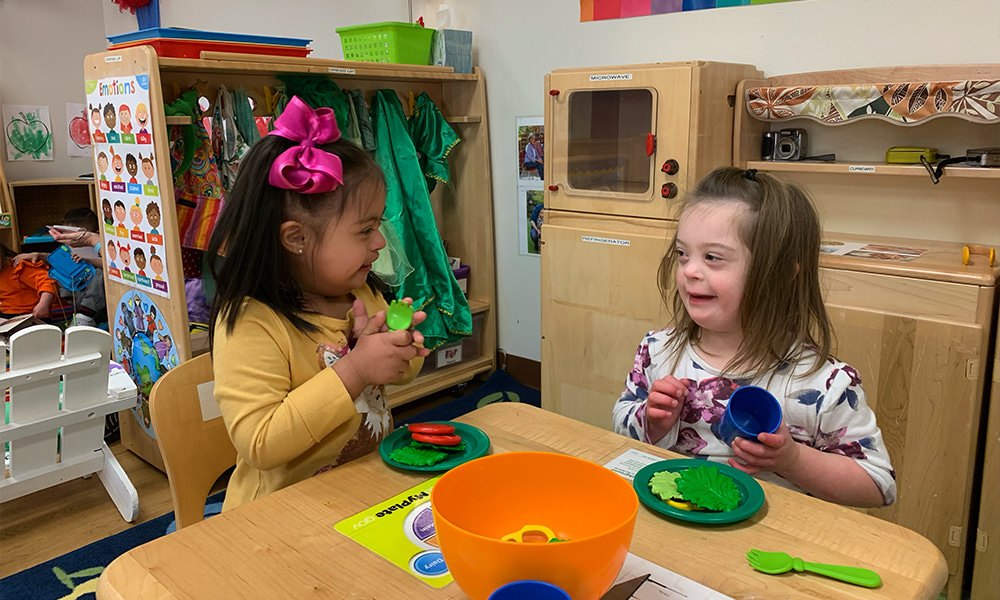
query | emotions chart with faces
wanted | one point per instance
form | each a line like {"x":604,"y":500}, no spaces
{"x":125,"y":167}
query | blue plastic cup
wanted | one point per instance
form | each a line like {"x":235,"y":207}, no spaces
{"x":751,"y":411}
{"x":529,"y":589}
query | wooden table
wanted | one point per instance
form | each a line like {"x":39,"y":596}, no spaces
{"x":285,"y":545}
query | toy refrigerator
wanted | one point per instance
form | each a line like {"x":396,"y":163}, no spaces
{"x":624,"y":144}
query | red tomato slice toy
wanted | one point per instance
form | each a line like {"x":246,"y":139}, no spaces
{"x":447,"y":439}
{"x":432,"y":428}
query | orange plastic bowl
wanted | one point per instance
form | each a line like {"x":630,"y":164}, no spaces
{"x":477,"y":503}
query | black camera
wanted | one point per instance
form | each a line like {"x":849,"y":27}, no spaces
{"x":787,"y":144}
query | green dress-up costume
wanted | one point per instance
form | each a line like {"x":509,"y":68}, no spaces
{"x":432,"y":285}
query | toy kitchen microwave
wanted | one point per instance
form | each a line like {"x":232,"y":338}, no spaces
{"x":629,"y":140}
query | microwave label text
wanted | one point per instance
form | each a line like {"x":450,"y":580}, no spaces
{"x":612,"y":77}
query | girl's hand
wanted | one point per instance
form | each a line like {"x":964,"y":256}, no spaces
{"x":663,"y":406}
{"x":776,"y":452}
{"x":379,"y":356}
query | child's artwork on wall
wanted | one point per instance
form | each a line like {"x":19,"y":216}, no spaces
{"x":125,"y":168}
{"x":27,"y":132}
{"x":77,"y":130}
{"x":144,"y":346}
{"x":531,"y":174}
{"x":600,"y":10}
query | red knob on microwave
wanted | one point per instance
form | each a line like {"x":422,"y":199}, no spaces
{"x":650,"y":144}
{"x":669,"y":190}
{"x":670,"y":167}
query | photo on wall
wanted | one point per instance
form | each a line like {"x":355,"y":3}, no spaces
{"x":530,"y":216}
{"x":530,"y":149}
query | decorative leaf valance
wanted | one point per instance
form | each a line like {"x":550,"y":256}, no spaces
{"x":898,"y":102}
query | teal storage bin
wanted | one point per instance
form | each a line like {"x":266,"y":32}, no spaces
{"x":453,"y":48}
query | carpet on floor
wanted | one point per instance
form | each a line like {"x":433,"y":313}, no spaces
{"x":499,"y":387}
{"x":74,"y":574}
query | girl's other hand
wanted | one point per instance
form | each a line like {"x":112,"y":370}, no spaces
{"x":663,"y":406}
{"x":775,"y":452}
{"x":379,"y":356}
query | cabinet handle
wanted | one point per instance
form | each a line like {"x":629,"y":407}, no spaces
{"x":553,"y":187}
{"x":553,"y":92}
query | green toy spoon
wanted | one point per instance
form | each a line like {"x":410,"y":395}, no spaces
{"x":779,"y":562}
{"x":399,"y":315}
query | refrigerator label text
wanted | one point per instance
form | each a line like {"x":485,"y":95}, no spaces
{"x":611,"y":241}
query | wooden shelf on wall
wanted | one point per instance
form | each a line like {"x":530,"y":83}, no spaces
{"x":870,"y":168}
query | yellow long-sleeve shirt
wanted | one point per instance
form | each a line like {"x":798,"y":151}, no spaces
{"x":289,"y":416}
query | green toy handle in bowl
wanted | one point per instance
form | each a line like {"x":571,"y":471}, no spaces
{"x":399,"y":315}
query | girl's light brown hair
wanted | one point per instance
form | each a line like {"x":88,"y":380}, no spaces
{"x":782,"y":304}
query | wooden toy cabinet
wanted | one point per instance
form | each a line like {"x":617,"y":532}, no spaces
{"x":920,"y":330}
{"x":624,"y":144}
{"x":463,"y":208}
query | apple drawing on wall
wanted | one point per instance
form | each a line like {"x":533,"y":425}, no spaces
{"x":28,"y":135}
{"x":78,"y":130}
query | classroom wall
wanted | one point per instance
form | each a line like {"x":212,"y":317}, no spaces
{"x":515,"y":43}
{"x":42,"y":45}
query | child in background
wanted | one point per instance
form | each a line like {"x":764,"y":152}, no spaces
{"x":744,"y":270}
{"x":25,"y":286}
{"x":89,"y":304}
{"x":300,"y":348}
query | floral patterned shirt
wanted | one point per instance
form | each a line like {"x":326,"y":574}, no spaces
{"x":825,"y":410}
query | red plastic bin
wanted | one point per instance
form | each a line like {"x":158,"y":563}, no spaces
{"x":184,"y":48}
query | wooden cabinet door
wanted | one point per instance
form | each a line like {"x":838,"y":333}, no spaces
{"x":599,"y":297}
{"x":986,"y":565}
{"x":924,"y":380}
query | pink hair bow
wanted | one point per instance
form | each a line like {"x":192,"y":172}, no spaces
{"x":304,"y":168}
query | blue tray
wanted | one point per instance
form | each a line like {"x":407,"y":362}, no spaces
{"x":178,"y":33}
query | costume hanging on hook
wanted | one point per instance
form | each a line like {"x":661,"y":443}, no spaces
{"x":432,"y":284}
{"x":434,"y":139}
{"x":198,"y":189}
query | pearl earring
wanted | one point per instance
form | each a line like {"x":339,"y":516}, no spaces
{"x":300,"y":250}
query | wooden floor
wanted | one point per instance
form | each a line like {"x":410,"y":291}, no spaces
{"x":54,"y":521}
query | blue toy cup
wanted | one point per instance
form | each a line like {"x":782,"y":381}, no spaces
{"x":529,"y":589}
{"x":751,"y":411}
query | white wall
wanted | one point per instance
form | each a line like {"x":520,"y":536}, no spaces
{"x":515,"y":43}
{"x":42,"y":45}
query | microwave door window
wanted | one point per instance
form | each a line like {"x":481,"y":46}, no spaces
{"x":607,"y":141}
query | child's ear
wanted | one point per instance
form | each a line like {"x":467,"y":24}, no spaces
{"x":293,"y":236}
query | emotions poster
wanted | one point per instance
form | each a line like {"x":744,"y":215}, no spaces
{"x":125,"y":167}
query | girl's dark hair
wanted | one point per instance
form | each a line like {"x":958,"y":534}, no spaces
{"x":782,"y":304}
{"x":245,"y":254}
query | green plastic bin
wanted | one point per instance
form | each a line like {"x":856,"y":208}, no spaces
{"x":388,"y":42}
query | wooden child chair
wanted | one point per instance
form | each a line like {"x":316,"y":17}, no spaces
{"x":58,"y":396}
{"x":191,"y":435}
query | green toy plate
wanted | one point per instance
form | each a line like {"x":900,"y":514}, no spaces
{"x":477,"y":444}
{"x":751,"y":494}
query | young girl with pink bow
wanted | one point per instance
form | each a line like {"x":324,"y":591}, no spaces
{"x":301,"y":351}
